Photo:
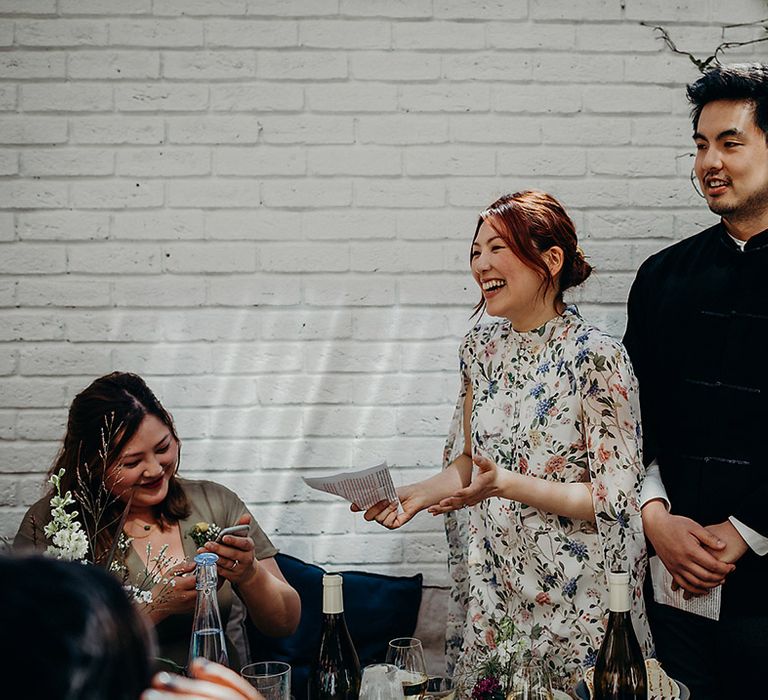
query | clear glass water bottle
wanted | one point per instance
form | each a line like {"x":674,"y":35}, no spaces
{"x":207,"y":631}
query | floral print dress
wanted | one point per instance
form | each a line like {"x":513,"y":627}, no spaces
{"x":559,"y":402}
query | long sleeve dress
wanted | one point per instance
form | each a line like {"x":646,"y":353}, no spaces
{"x":559,"y":403}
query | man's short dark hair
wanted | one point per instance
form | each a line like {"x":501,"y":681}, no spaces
{"x":738,"y":81}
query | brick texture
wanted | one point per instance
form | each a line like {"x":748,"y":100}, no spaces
{"x":265,"y":207}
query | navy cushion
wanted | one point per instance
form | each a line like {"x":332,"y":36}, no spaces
{"x":377,"y":608}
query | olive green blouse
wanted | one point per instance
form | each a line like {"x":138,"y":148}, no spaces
{"x":209,"y":502}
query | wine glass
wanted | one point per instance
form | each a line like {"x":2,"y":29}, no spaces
{"x":381,"y":682}
{"x":532,"y":681}
{"x":407,"y":654}
{"x":440,"y":688}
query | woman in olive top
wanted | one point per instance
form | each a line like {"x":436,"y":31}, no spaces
{"x":121,"y":447}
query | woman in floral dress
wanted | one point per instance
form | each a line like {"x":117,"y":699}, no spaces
{"x":542,"y":468}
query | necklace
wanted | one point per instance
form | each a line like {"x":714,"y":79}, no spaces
{"x":147,"y":531}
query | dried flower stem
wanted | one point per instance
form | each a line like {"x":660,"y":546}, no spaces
{"x":704,"y":64}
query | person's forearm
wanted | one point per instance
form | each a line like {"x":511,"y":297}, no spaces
{"x":653,"y":512}
{"x":273,"y":606}
{"x":571,"y":500}
{"x":455,"y":476}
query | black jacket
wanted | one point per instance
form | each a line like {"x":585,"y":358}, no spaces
{"x":697,"y":334}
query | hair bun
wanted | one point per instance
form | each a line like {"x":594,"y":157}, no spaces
{"x":578,"y":271}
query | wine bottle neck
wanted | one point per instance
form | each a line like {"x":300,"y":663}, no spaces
{"x":618,"y":593}
{"x":618,"y":601}
{"x":333,"y":600}
{"x":618,"y":620}
{"x":333,"y":621}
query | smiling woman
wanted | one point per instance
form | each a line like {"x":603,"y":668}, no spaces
{"x":524,"y":256}
{"x":542,"y":466}
{"x":119,"y":460}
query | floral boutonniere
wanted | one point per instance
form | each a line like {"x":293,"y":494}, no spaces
{"x":204,"y":532}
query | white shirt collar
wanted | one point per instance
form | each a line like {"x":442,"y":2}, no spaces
{"x":737,"y":241}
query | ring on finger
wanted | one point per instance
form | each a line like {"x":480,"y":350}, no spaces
{"x":236,"y":562}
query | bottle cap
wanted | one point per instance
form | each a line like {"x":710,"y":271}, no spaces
{"x":618,"y":591}
{"x":333,"y":599}
{"x":206,"y":558}
{"x":618,"y":578}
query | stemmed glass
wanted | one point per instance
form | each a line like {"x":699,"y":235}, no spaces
{"x":440,"y":688}
{"x":407,"y":654}
{"x":532,"y":681}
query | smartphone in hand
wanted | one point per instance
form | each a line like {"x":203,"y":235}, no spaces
{"x":240,"y":530}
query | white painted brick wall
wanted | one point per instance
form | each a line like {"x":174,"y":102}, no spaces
{"x":264,"y":206}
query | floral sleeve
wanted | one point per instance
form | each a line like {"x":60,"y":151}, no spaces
{"x":456,"y":521}
{"x":611,"y":428}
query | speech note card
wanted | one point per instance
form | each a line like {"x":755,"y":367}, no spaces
{"x":364,"y":488}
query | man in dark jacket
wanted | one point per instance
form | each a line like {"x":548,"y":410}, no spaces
{"x":697,"y":334}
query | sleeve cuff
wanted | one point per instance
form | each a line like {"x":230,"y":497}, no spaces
{"x":653,"y":487}
{"x":755,"y":541}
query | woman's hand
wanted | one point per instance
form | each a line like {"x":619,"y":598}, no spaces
{"x":177,"y":595}
{"x":489,"y":481}
{"x":209,"y":681}
{"x":237,"y":563}
{"x":385,"y":513}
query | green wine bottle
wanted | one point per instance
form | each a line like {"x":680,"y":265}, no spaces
{"x":335,"y":674}
{"x":620,"y":668}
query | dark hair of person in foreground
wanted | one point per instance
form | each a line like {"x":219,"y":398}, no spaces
{"x":69,"y":632}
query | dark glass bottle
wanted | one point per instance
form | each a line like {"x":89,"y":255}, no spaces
{"x":620,"y":668}
{"x":207,"y":631}
{"x":335,"y":673}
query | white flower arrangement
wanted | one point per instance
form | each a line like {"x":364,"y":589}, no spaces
{"x":138,"y":595}
{"x":497,"y":668}
{"x":69,"y":539}
{"x":151,"y":585}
